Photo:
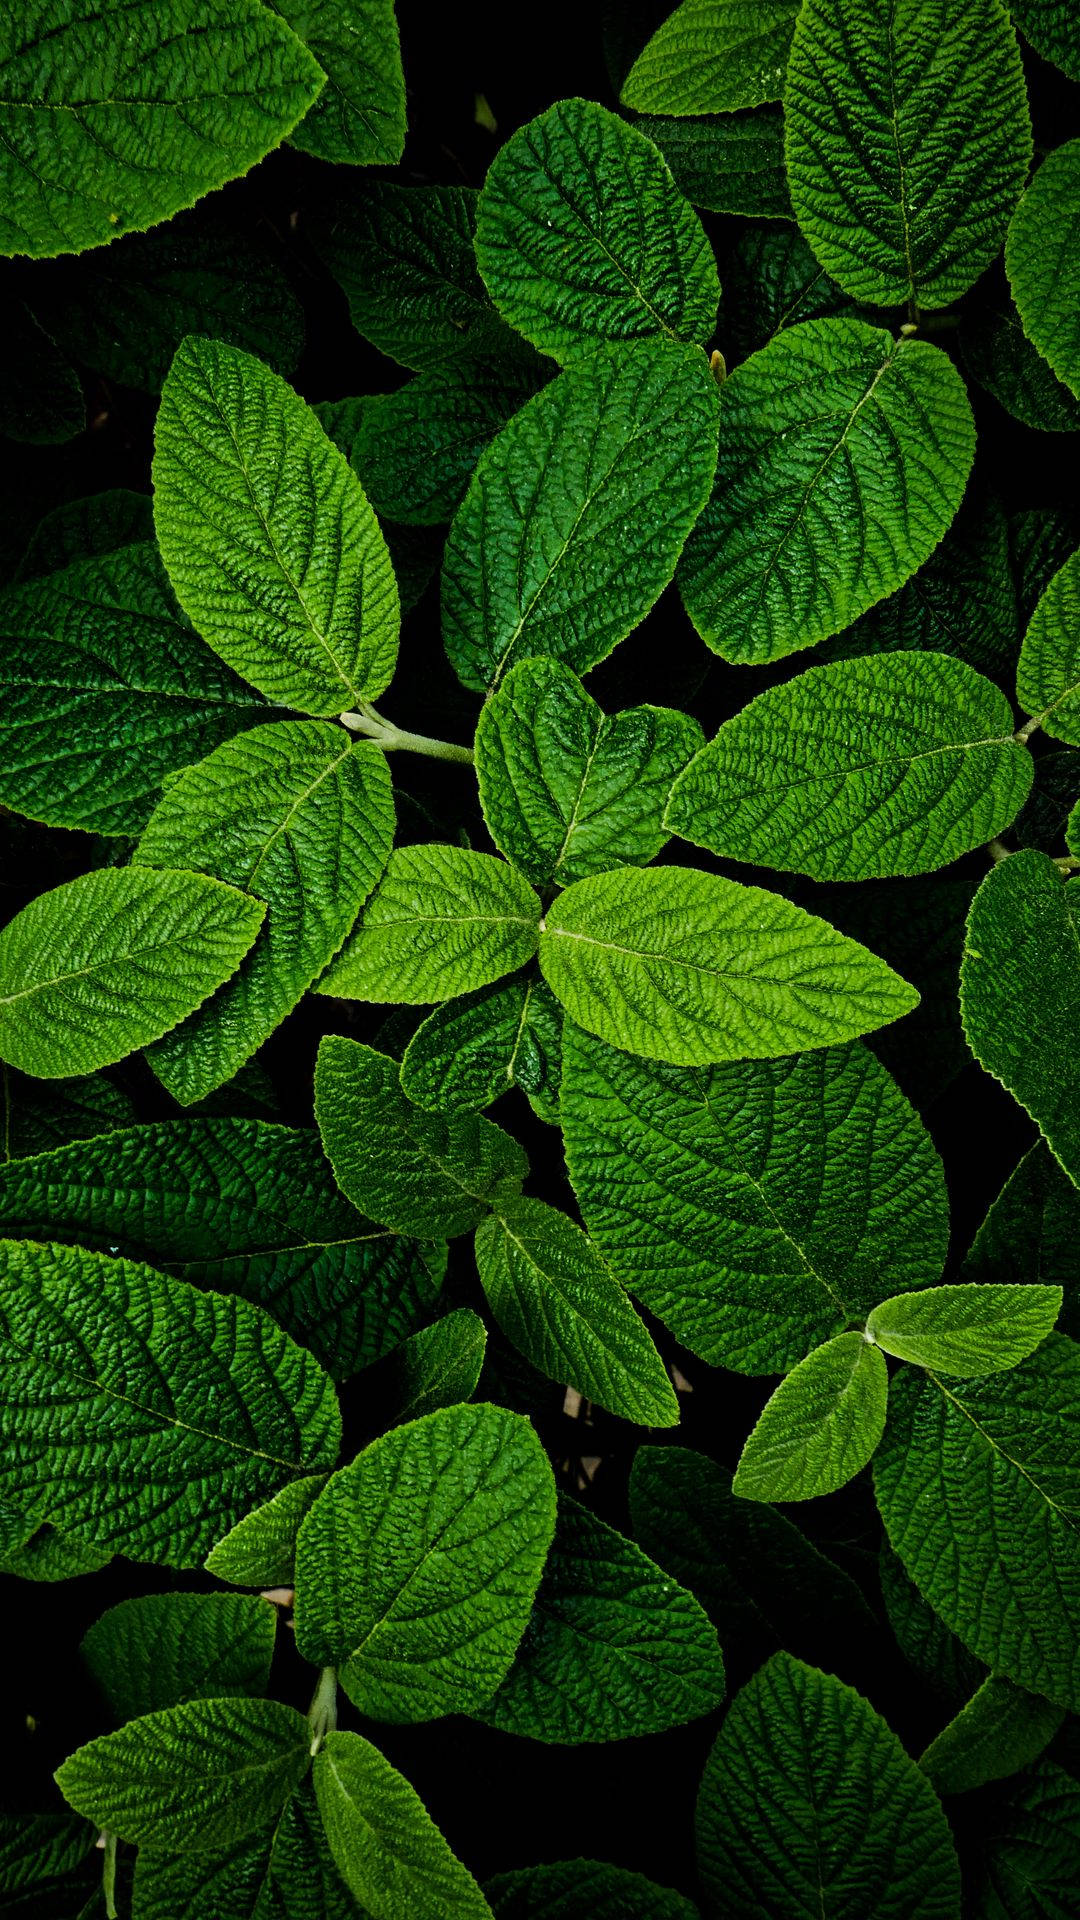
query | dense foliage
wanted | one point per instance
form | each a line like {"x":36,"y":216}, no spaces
{"x":520,"y":1391}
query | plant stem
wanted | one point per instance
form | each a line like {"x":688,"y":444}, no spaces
{"x":997,"y":850}
{"x":108,"y":1876}
{"x":322,"y":1713}
{"x":391,"y":739}
{"x":1024,"y":733}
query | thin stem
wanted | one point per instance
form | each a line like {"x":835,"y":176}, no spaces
{"x":322,"y":1713}
{"x":997,"y":850}
{"x":393,"y":739}
{"x":1067,"y":863}
{"x":108,"y":1876}
{"x":1024,"y":733}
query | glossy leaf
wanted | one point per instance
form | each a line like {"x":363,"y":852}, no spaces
{"x":820,"y":1427}
{"x":966,"y":1330}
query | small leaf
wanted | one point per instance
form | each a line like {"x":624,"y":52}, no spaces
{"x":965,"y":1329}
{"x":998,"y":354}
{"x":106,"y":963}
{"x":387,"y":1847}
{"x":809,"y":1802}
{"x":820,"y":1427}
{"x":1020,"y":992}
{"x":614,"y":1649}
{"x":1000,"y":1730}
{"x":844,"y":455}
{"x":691,"y":968}
{"x":199,"y":1775}
{"x":733,"y":163}
{"x":443,"y":921}
{"x":359,"y":117}
{"x":566,"y":790}
{"x":893,"y":764}
{"x":582,"y":236}
{"x":577,"y":512}
{"x":164,"y":1648}
{"x":711,"y":56}
{"x":583,"y":1890}
{"x":103,"y":131}
{"x":417,"y":1566}
{"x":562,"y":1307}
{"x":438,"y":1367}
{"x":418,"y":1172}
{"x":1042,"y":259}
{"x":469,"y":1051}
{"x":260,"y":1551}
{"x":269,"y":541}
{"x":1048,"y":673}
{"x":143,"y":1414}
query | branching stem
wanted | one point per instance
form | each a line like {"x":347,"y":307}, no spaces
{"x":393,"y":739}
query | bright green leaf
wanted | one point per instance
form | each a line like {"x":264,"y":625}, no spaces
{"x":711,"y":56}
{"x":1000,"y":1730}
{"x":269,"y":541}
{"x":965,"y":1330}
{"x":1048,"y":673}
{"x":1042,"y":259}
{"x":469,"y":1051}
{"x":820,"y":1427}
{"x":359,"y":118}
{"x":260,"y":1551}
{"x":281,"y":1872}
{"x":164,"y":1648}
{"x":583,"y":1890}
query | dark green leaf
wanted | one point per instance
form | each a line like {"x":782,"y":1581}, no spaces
{"x":359,"y":118}
{"x":469,"y":1051}
{"x":1000,"y":1730}
{"x":583,"y":1890}
{"x":731,"y":164}
{"x":164,"y":1648}
{"x":1042,"y":258}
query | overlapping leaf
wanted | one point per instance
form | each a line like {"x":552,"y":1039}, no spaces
{"x":820,"y":1427}
{"x":387,"y":1848}
{"x":1042,"y":258}
{"x":969,"y":1329}
{"x":711,"y":56}
{"x":583,"y":1890}
{"x":469,"y":1051}
{"x":260,"y":1551}
{"x":161,"y":1649}
{"x":359,"y":117}
{"x":1048,"y":674}
{"x":284,"y":1871}
{"x":1030,"y":1234}
{"x":1000,"y":1730}
{"x":732,"y":163}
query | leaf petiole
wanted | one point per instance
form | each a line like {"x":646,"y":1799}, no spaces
{"x":322,"y":1712}
{"x":392,"y":739}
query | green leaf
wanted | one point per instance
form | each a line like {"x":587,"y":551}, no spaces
{"x":1042,"y":259}
{"x":731,"y":164}
{"x":582,"y":236}
{"x":772,"y":281}
{"x":298,"y":816}
{"x":893,"y":764}
{"x":387,"y":1847}
{"x":260,"y":1551}
{"x":404,"y":259}
{"x":269,"y":541}
{"x":711,"y":56}
{"x":567,"y":790}
{"x":908,"y":143}
{"x":112,"y":122}
{"x":998,"y":354}
{"x":755,"y":1209}
{"x":442,"y":921}
{"x":164,"y":1648}
{"x":359,"y":118}
{"x":820,"y":1427}
{"x":689,"y":967}
{"x":425,"y":1173}
{"x":1031,"y":1233}
{"x":145,"y":1415}
{"x":85,"y":529}
{"x":1029,"y":1869}
{"x":34,"y":1118}
{"x":968,"y":1329}
{"x":1000,"y":1730}
{"x":843,"y":458}
{"x":196,"y":1776}
{"x":102,"y":660}
{"x":561,"y":1306}
{"x":469,"y":1051}
{"x":583,"y":1890}
{"x":924,"y":1640}
{"x":417,"y":1567}
{"x":1050,"y":26}
{"x":49,"y":1867}
{"x":243,"y":1207}
{"x":106,"y":963}
{"x":281,"y":1872}
{"x":50,"y":1555}
{"x":614,"y":1649}
{"x":1048,"y":673}
{"x":1020,"y":992}
{"x":41,"y":396}
{"x":577,"y":513}
{"x":437,"y":1367}
{"x":809,"y":1806}
{"x":976,"y":1482}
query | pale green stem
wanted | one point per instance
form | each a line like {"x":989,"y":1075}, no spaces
{"x":997,"y":850}
{"x":322,"y":1713}
{"x":108,"y":1876}
{"x":1024,"y":733}
{"x":392,"y":739}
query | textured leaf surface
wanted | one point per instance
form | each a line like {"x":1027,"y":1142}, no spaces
{"x":614,"y":1648}
{"x":108,"y":962}
{"x":908,"y":142}
{"x":893,"y":764}
{"x":1030,"y":1865}
{"x":998,"y":354}
{"x":443,"y":921}
{"x":772,"y":280}
{"x":295,"y":815}
{"x":359,"y":117}
{"x":85,"y":529}
{"x":566,"y":789}
{"x":1048,"y":675}
{"x":843,"y":457}
{"x":268,"y":537}
{"x":35,"y":1118}
{"x":161,"y":1649}
{"x":578,"y":511}
{"x":583,"y":1890}
{"x":388,"y":1849}
{"x":417,"y":1567}
{"x":51,"y":1554}
{"x":733,"y":163}
{"x":417,"y":1172}
{"x":1000,"y":1730}
{"x":582,"y":236}
{"x":143,"y":1414}
{"x":711,"y":56}
{"x":436,"y":1367}
{"x":977,"y":1485}
{"x":48,"y":1864}
{"x":809,"y":1806}
{"x":106,"y":129}
{"x":243,"y":1207}
{"x":470,"y":1051}
{"x":755,"y":1209}
{"x":1042,"y":258}
{"x":1031,"y":1233}
{"x":1050,"y":26}
{"x":103,"y":663}
{"x":281,"y":1872}
{"x":922,"y":1637}
{"x":689,"y":967}
{"x":820,"y":1427}
{"x":260,"y":1551}
{"x":199,"y":1775}
{"x":561,"y":1306}
{"x":966,"y":1329}
{"x":1020,"y":992}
